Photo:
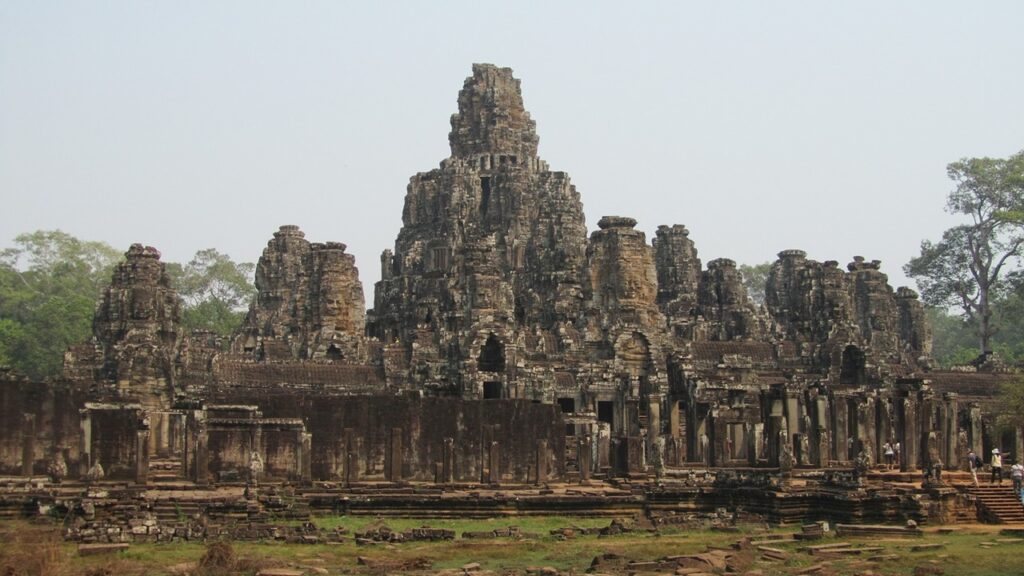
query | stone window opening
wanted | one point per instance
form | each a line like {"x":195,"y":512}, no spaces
{"x":853,"y":369}
{"x":492,"y":356}
{"x":492,"y":390}
{"x":568,"y":405}
{"x":334,"y":353}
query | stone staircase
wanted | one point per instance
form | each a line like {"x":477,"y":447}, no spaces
{"x":998,"y":503}
{"x":165,"y":470}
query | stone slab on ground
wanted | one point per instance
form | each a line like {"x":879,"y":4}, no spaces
{"x":281,"y":572}
{"x":101,"y":548}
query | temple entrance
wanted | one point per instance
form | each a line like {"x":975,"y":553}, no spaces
{"x":852,"y":371}
{"x":492,"y":356}
{"x":492,"y":390}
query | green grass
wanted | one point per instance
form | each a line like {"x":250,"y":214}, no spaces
{"x":962,"y":554}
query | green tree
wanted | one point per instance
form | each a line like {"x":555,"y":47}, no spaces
{"x":1010,"y":406}
{"x":215,"y":291}
{"x":49,"y":283}
{"x":754,"y":278}
{"x":968,"y":268}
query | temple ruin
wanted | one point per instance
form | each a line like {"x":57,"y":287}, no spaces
{"x":507,"y":347}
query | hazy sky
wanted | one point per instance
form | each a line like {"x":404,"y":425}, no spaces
{"x":761,"y":126}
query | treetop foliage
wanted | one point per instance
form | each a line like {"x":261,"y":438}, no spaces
{"x":50,"y":282}
{"x":974,"y":263}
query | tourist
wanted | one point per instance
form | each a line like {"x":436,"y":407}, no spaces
{"x":1017,"y":475}
{"x":973,"y":464}
{"x":997,"y":466}
{"x":896,"y":456}
{"x":889,"y":455}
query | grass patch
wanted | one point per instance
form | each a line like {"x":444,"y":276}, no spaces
{"x":32,"y":549}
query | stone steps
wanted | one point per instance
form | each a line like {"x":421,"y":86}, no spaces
{"x":1000,"y":502}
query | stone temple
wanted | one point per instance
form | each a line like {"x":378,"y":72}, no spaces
{"x":506,"y":347}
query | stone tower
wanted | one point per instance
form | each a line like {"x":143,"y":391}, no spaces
{"x":490,"y":241}
{"x":309,"y":303}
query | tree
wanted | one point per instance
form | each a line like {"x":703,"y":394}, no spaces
{"x":215,"y":291}
{"x":968,"y":268}
{"x":49,"y":283}
{"x":755,"y":278}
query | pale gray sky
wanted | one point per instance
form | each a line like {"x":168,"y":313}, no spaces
{"x":762,"y":126}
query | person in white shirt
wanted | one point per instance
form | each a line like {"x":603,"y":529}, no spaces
{"x":997,"y":466}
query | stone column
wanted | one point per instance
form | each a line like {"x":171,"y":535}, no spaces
{"x":141,"y":456}
{"x":393,"y":458}
{"x":448,"y":463}
{"x":654,"y":417}
{"x":542,"y":461}
{"x":493,"y":463}
{"x":201,"y":454}
{"x":85,"y":450}
{"x":974,"y":433}
{"x":866,"y":426}
{"x":820,"y":422}
{"x":306,"y":471}
{"x":951,"y":430}
{"x":840,"y":432}
{"x":351,"y":456}
{"x":584,"y":457}
{"x":910,"y":435}
{"x":28,"y":443}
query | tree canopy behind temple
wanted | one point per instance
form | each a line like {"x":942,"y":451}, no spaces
{"x":971,"y":267}
{"x":50,"y":281}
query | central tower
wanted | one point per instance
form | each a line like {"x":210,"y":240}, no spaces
{"x":492,"y":242}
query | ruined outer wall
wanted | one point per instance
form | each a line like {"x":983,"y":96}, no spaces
{"x":365,"y":424}
{"x":38,"y":420}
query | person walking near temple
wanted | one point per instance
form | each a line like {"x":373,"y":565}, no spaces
{"x":1017,"y":475}
{"x":889,"y":454}
{"x":997,"y":466}
{"x":973,"y":464}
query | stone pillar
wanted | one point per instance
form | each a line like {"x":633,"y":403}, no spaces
{"x":632,"y":417}
{"x":306,"y":462}
{"x":654,"y":417}
{"x":165,"y":447}
{"x":141,"y":456}
{"x":351,"y":456}
{"x":866,"y":427}
{"x":28,"y":443}
{"x":448,"y":462}
{"x":542,"y":461}
{"x":604,"y":436}
{"x":910,"y":436}
{"x":201,"y":454}
{"x":393,"y":457}
{"x":883,"y":413}
{"x":777,"y":428}
{"x":756,"y":446}
{"x":840,"y":432}
{"x":974,"y":433}
{"x":494,"y":463}
{"x":951,"y":417}
{"x":584,"y":456}
{"x":820,"y":450}
{"x":792,"y":414}
{"x":85,"y":450}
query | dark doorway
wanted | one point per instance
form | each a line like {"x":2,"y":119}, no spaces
{"x":492,"y":356}
{"x":606,"y":412}
{"x":492,"y":390}
{"x":852,"y":371}
{"x":568,"y":405}
{"x":334,"y":353}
